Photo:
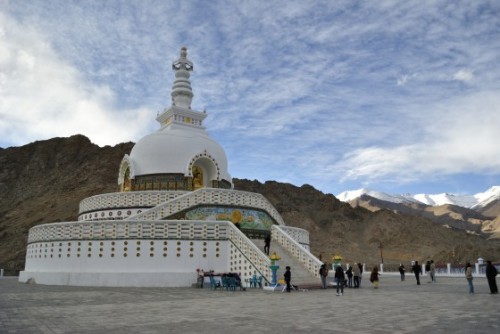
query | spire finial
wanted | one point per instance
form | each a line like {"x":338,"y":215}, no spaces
{"x":181,"y":90}
{"x":182,"y":62}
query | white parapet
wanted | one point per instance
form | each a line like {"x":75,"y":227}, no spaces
{"x":138,"y":253}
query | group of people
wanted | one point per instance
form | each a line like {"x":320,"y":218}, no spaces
{"x":355,"y":272}
{"x":350,"y":278}
{"x":416,"y":269}
{"x":491,"y":274}
{"x":430,"y":268}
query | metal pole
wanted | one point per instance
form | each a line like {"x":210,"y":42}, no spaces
{"x":381,"y":256}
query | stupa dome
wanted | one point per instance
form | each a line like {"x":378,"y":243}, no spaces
{"x":175,"y":151}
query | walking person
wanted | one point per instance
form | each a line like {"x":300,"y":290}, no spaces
{"x":417,"y":270}
{"x":349,"y":277}
{"x":491,"y":274}
{"x":288,"y":279}
{"x":374,"y":277}
{"x":340,"y":278}
{"x":468,"y":276}
{"x":360,"y":266}
{"x":267,"y":243}
{"x":356,"y":273}
{"x":402,"y":272}
{"x":323,"y":274}
{"x":428,"y":271}
{"x":433,"y":271}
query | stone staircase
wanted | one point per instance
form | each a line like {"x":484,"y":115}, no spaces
{"x":300,"y":275}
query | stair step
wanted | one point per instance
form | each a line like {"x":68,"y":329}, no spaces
{"x":300,"y":275}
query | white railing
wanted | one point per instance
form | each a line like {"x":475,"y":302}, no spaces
{"x":210,"y":196}
{"x":310,"y":262}
{"x":443,"y":271}
{"x":127,"y":199}
{"x":121,"y":229}
{"x":162,"y":229}
{"x":298,"y":234}
{"x":248,"y":249}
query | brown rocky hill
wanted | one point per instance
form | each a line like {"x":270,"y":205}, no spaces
{"x":357,"y":233}
{"x":44,"y":182}
{"x":492,"y":209}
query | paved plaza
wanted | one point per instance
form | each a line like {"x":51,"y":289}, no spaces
{"x":396,"y":307}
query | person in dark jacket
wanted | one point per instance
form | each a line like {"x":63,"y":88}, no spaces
{"x":349,"y":277}
{"x":417,"y":270}
{"x":428,"y":271}
{"x":288,"y":279}
{"x":267,"y":243}
{"x":469,"y":277}
{"x":374,"y":277}
{"x":357,"y":273}
{"x":402,"y":271}
{"x":491,"y":274}
{"x":340,"y":278}
{"x":323,"y":274}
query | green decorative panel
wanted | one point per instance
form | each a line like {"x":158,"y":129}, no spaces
{"x":247,"y":218}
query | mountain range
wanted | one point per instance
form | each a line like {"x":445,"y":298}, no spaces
{"x":479,"y":213}
{"x":476,"y":201}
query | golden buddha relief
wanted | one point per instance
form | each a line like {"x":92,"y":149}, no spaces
{"x":197,"y":177}
{"x":126,"y":186}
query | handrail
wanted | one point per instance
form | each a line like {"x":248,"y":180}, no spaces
{"x":311,"y":262}
{"x":242,"y":238}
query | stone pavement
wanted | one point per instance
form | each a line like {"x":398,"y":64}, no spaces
{"x":396,"y":307}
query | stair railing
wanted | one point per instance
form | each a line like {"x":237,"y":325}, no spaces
{"x":304,"y":256}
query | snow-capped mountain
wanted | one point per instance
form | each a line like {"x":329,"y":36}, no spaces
{"x":467,"y":201}
{"x":347,"y":196}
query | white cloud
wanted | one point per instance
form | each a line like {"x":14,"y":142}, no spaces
{"x":463,"y":75}
{"x":462,"y":137}
{"x":363,"y":91}
{"x":43,"y":96}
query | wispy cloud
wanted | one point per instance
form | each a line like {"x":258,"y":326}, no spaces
{"x":357,"y":91}
{"x":43,"y":96}
{"x":460,"y":139}
{"x":463,"y":75}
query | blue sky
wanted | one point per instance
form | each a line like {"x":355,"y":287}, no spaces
{"x":397,"y":96}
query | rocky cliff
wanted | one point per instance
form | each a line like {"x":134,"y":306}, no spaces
{"x":44,"y":182}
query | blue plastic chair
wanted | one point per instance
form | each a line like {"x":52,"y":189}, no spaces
{"x":231,"y":283}
{"x":225,"y":282}
{"x":253,"y":281}
{"x":259,"y":282}
{"x":213,"y":284}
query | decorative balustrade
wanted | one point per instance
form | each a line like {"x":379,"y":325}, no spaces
{"x":310,"y":262}
{"x":151,"y":230}
{"x":209,"y":196}
{"x":298,"y":234}
{"x":145,"y":199}
{"x":96,"y":230}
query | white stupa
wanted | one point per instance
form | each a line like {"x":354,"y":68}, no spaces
{"x":175,"y":215}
